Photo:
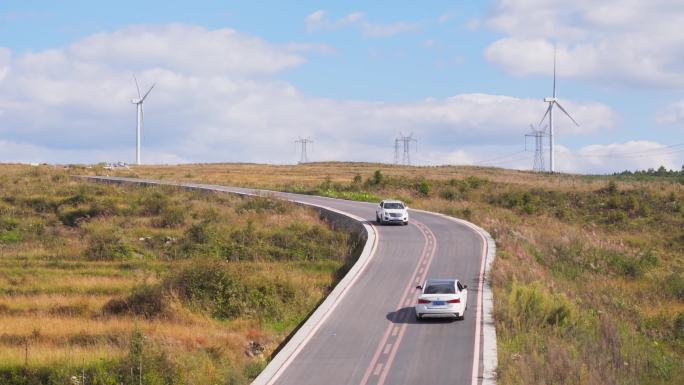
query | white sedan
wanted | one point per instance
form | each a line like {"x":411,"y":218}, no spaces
{"x":442,"y":298}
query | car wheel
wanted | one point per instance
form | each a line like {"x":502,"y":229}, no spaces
{"x":419,"y":317}
{"x":405,"y":223}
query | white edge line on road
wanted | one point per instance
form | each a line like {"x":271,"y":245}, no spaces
{"x":489,"y":353}
{"x":288,"y":352}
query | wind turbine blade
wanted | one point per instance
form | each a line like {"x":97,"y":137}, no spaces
{"x":546,"y":113}
{"x":554,"y":70}
{"x":566,"y":113}
{"x":136,"y":85}
{"x":148,"y":92}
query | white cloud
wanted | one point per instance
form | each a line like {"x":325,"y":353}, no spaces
{"x":387,"y":30}
{"x":673,"y":114}
{"x":614,"y":42}
{"x":429,"y":43}
{"x":203,"y":51}
{"x":317,"y":21}
{"x":5,"y":57}
{"x":616,"y":157}
{"x":73,"y":105}
{"x":473,"y":24}
{"x":446,"y":17}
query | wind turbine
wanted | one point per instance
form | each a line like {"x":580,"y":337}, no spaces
{"x":140,"y":114}
{"x":549,"y":111}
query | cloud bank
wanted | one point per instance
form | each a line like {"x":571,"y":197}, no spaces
{"x":218,"y":99}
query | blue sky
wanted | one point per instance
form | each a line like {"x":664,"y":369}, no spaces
{"x":466,"y":77}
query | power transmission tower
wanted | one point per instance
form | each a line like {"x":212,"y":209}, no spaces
{"x":304,"y":143}
{"x":538,"y":135}
{"x":406,"y":145}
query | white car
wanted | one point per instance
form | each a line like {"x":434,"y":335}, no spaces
{"x":442,"y":298}
{"x":391,"y":211}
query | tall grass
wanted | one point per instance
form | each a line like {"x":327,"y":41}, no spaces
{"x":588,"y":279}
{"x":97,"y":280}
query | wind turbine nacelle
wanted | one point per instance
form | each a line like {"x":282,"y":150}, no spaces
{"x":549,"y":100}
{"x":135,"y":101}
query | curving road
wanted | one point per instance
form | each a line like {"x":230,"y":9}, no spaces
{"x":368,"y":334}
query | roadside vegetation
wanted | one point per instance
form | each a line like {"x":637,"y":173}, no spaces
{"x":128,"y":284}
{"x":589,"y":277}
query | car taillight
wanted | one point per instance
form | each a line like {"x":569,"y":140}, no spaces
{"x":457,"y":300}
{"x":423,"y":301}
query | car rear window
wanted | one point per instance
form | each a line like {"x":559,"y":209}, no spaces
{"x":440,"y":288}
{"x":394,"y":206}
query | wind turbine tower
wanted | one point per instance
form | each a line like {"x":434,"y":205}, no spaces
{"x":406,"y":144}
{"x":553,"y":101}
{"x":303,"y":143}
{"x":538,"y":135}
{"x":140,"y":116}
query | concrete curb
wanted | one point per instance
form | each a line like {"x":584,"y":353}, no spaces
{"x":489,"y":352}
{"x":274,"y":368}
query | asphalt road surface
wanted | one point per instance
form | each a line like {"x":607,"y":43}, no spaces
{"x":371,"y":335}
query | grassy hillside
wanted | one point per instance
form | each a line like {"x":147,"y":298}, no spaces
{"x":119,"y":283}
{"x":589,"y":280}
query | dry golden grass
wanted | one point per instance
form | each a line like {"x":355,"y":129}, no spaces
{"x":72,"y":356}
{"x":53,"y":292}
{"x":612,"y":321}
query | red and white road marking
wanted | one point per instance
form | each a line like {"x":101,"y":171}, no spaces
{"x":386,"y":351}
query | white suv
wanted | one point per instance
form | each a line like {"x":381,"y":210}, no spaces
{"x":390,"y":211}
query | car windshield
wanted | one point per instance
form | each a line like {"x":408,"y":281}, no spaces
{"x":394,"y":206}
{"x":440,"y":288}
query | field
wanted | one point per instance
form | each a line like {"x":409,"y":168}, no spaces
{"x":589,"y":277}
{"x":122,"y":284}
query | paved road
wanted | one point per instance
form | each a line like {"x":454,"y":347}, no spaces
{"x":371,"y":335}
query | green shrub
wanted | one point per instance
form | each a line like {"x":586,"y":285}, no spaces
{"x":74,"y":217}
{"x":529,"y":307}
{"x":475,"y":182}
{"x":261,"y":205}
{"x":631,"y":265}
{"x":678,"y":326}
{"x":449,"y":194}
{"x":172,"y":216}
{"x":12,"y":236}
{"x":424,"y":188}
{"x":616,"y":217}
{"x":8,"y":223}
{"x":209,"y":286}
{"x":40,"y":203}
{"x":377,"y":179}
{"x":145,"y":300}
{"x":612,"y":187}
{"x":107,"y":246}
{"x":152,"y":203}
{"x":674,"y":285}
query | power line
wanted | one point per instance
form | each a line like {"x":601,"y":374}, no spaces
{"x":627,"y":155}
{"x":499,"y":157}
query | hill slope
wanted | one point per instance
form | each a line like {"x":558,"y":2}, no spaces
{"x":589,"y":278}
